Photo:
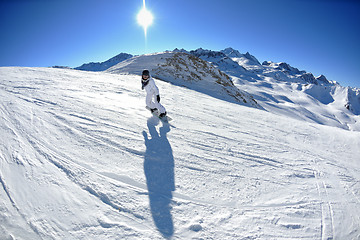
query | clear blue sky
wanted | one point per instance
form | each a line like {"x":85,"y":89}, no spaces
{"x":319,"y":36}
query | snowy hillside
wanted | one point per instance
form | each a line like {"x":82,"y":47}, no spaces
{"x":187,"y":70}
{"x":102,"y":66}
{"x":285,"y":90}
{"x":81,"y":158}
{"x":236,"y":77}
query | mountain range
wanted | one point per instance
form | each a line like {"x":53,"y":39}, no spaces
{"x":236,"y":77}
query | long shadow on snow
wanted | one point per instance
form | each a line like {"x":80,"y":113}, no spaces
{"x":159,"y":172}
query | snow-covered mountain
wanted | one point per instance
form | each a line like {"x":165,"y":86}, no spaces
{"x":102,"y":66}
{"x":81,"y":158}
{"x":233,"y":76}
{"x":243,"y":59}
{"x":185,"y":69}
{"x":221,"y":61}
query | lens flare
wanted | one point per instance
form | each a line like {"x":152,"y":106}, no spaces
{"x":145,"y":18}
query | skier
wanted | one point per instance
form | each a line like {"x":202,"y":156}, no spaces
{"x":152,"y":94}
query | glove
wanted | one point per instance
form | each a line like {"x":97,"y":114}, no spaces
{"x":158,"y":98}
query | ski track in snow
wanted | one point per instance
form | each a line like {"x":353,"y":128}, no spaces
{"x":81,"y":158}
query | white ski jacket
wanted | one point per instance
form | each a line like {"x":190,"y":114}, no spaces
{"x":151,"y":88}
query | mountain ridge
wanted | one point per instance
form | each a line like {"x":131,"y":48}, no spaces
{"x":256,"y":83}
{"x":227,"y":54}
{"x":102,"y":66}
{"x":202,"y":53}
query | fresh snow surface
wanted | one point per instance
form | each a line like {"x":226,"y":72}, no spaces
{"x":81,"y":158}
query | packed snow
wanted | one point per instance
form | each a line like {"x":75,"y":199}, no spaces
{"x":81,"y":158}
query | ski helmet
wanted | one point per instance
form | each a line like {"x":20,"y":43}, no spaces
{"x":146,"y":72}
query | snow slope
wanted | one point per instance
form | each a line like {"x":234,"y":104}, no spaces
{"x":187,"y":70}
{"x":236,"y":77}
{"x":276,"y":87}
{"x":81,"y":158}
{"x":285,"y":90}
{"x":101,"y":66}
{"x":327,"y":104}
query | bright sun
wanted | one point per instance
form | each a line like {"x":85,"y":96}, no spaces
{"x":145,"y":18}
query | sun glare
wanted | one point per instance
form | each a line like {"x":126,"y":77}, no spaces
{"x":145,"y":18}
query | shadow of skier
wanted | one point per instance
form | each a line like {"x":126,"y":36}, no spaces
{"x":159,"y":173}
